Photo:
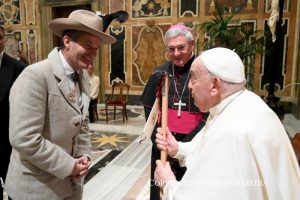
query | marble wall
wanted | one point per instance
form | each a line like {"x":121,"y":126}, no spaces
{"x":21,"y":22}
{"x":140,"y":45}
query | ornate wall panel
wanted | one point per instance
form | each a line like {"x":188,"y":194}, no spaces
{"x":281,"y":67}
{"x":244,"y":7}
{"x":116,"y":5}
{"x":149,"y":19}
{"x":148,"y":51}
{"x":140,"y":46}
{"x":20,"y":22}
{"x":151,"y":8}
{"x":30,"y":8}
{"x":117,"y":59}
{"x":188,"y":8}
{"x":10,"y":12}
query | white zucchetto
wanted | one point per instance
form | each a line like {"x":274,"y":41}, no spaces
{"x":224,"y":63}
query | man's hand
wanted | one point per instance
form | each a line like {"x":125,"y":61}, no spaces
{"x":81,"y":167}
{"x":163,"y":174}
{"x":170,"y":144}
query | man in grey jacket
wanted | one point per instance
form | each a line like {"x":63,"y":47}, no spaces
{"x":49,"y":114}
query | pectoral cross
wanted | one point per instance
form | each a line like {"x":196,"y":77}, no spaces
{"x":179,"y":104}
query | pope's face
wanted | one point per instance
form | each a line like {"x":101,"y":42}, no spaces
{"x":80,"y":53}
{"x":179,"y":50}
{"x":201,"y":84}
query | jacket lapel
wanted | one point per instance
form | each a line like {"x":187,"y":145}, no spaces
{"x":85,"y":90}
{"x":63,"y":85}
{"x":68,"y":94}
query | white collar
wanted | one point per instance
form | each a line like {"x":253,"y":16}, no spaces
{"x":67,"y":68}
{"x":217,"y":109}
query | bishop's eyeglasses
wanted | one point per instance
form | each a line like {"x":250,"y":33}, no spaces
{"x":180,"y":48}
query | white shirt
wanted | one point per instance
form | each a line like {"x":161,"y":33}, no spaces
{"x":94,"y":86}
{"x":74,"y":87}
{"x":242,"y":153}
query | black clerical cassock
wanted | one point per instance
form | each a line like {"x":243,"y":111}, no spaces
{"x":184,"y":118}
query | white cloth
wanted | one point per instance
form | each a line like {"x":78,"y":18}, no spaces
{"x":243,"y":152}
{"x":94,"y":86}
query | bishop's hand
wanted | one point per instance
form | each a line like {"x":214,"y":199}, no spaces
{"x":169,"y":144}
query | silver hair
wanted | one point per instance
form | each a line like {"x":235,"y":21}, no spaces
{"x":229,"y":87}
{"x":175,"y":32}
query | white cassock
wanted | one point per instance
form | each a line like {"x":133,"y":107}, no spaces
{"x":242,"y":153}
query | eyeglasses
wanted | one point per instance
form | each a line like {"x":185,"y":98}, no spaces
{"x":180,"y":48}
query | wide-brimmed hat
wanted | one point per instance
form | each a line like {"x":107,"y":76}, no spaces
{"x":81,"y":20}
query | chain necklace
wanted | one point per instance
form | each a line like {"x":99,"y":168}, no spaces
{"x":179,"y":103}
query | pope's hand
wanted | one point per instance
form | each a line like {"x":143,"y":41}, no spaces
{"x":163,"y":174}
{"x":169,"y":144}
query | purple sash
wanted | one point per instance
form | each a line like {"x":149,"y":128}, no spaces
{"x":185,"y":123}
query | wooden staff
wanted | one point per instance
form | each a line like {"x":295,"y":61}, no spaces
{"x":164,"y":114}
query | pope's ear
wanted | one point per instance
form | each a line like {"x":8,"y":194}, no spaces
{"x":216,"y":86}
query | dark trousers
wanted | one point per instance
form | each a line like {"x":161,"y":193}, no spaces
{"x":93,"y":104}
{"x":5,"y":151}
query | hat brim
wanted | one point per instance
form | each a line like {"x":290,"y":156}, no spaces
{"x":59,"y":25}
